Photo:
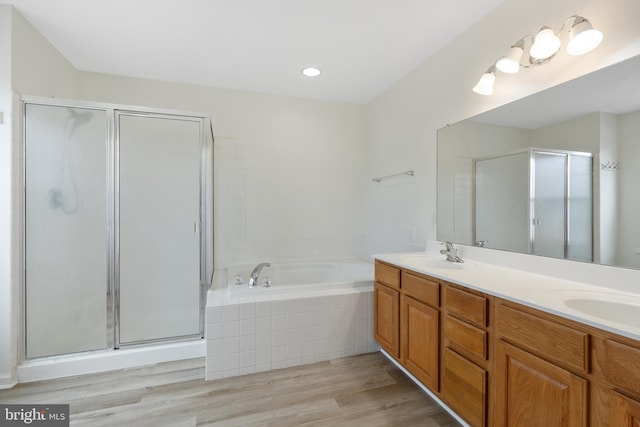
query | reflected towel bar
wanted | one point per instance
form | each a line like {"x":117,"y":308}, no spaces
{"x":382,"y":178}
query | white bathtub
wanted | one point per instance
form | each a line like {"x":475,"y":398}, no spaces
{"x":313,"y":311}
{"x":294,"y":279}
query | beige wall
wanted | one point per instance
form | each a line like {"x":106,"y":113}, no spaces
{"x":627,"y":175}
{"x":37,"y":67}
{"x":402,"y":122}
{"x":28,"y":65}
{"x":288,"y":171}
{"x":7,"y":336}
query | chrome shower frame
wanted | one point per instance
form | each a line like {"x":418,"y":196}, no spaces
{"x":112,"y":215}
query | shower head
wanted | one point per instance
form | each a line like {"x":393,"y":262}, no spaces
{"x":76,"y":119}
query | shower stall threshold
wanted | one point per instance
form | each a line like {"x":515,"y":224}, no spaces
{"x":102,"y":361}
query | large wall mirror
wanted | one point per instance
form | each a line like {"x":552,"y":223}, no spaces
{"x":554,"y":174}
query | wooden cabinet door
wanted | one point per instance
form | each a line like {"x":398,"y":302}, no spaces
{"x":386,"y":323}
{"x":624,"y":412}
{"x":464,"y":387}
{"x":533,"y":392}
{"x":420,"y":325}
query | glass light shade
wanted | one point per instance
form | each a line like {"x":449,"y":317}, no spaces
{"x":485,"y":84}
{"x":583,"y":38}
{"x":510,"y":64}
{"x":311,"y":72}
{"x":545,"y":44}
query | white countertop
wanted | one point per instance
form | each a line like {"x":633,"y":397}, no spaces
{"x":534,"y":290}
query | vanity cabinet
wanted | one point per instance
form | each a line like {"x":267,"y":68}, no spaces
{"x":624,"y":411}
{"x":420,"y":328}
{"x":465,"y":356}
{"x":621,"y":365}
{"x":499,"y":363}
{"x":618,"y":363}
{"x":407,"y":321}
{"x":545,"y":337}
{"x":530,"y":388}
{"x":570,"y":373}
{"x":540,"y":370}
{"x":386,"y":303}
{"x":387,"y":318}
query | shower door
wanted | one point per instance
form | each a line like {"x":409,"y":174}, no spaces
{"x":548,"y":204}
{"x":117,"y":220}
{"x":66,"y":242}
{"x":561,"y":205}
{"x":159,"y":227}
{"x":536,"y":202}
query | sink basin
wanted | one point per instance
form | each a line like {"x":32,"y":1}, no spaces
{"x":431,"y":262}
{"x":614,"y":307}
{"x":623,"y":313}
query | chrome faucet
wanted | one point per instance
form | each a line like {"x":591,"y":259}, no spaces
{"x":253,"y":279}
{"x":451,"y":253}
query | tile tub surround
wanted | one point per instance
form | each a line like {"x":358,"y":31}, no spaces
{"x":259,"y":336}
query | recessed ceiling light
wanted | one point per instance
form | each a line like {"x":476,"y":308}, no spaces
{"x":311,"y":72}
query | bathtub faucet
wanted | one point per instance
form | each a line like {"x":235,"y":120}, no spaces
{"x":253,"y":279}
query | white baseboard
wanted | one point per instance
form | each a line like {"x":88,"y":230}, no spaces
{"x":7,"y":381}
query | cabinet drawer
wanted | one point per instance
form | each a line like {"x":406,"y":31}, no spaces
{"x":622,"y":367}
{"x":388,"y":275}
{"x":465,"y":337}
{"x":464,"y":388}
{"x":467,"y":305}
{"x":422,"y":289}
{"x":543,"y":337}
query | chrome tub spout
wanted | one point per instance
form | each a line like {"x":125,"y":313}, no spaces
{"x":253,"y":279}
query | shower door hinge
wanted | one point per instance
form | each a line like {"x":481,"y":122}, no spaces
{"x":196,"y":227}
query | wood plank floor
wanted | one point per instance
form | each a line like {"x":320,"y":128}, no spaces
{"x":365,"y":390}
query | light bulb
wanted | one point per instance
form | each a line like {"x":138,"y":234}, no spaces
{"x":510,"y":64}
{"x":485,"y":84}
{"x":545,"y":44}
{"x":583,"y":38}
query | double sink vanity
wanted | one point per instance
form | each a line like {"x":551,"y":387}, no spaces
{"x":504,"y":347}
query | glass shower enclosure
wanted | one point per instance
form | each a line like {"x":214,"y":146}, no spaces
{"x":117,"y":229}
{"x":535,"y":201}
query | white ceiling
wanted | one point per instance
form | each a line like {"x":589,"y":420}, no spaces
{"x":362,"y":46}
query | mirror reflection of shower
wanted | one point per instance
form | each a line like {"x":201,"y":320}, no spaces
{"x":64,"y":195}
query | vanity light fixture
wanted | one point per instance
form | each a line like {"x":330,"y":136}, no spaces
{"x":485,"y":85}
{"x":583,"y":37}
{"x":545,"y":44}
{"x":311,"y":71}
{"x":542,"y":48}
{"x":510,"y":64}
